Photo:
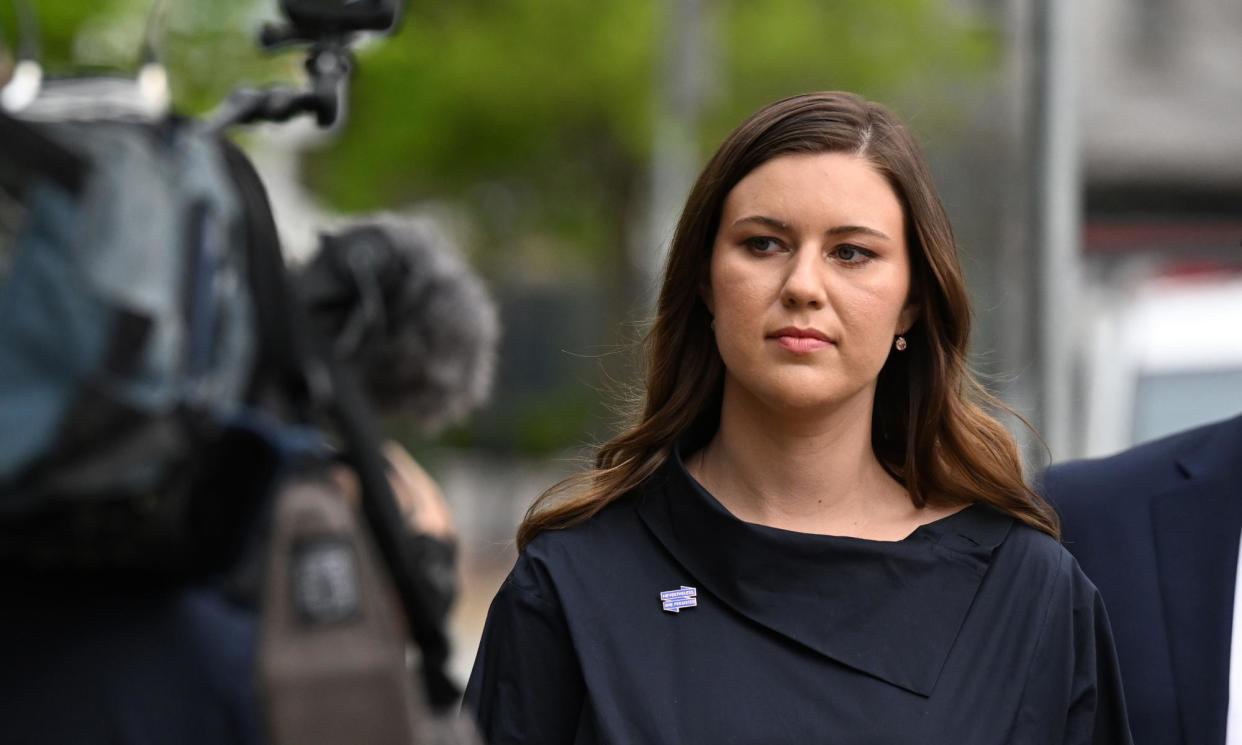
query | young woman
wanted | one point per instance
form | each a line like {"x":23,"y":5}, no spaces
{"x":814,"y":532}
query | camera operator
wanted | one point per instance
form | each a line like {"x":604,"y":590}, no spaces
{"x":92,"y":659}
{"x":172,"y":404}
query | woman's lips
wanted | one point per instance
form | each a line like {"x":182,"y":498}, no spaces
{"x":802,"y":344}
{"x":800,"y":341}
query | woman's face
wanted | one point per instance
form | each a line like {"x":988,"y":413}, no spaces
{"x":810,"y":280}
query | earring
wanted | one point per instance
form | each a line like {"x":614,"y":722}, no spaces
{"x":713,"y":324}
{"x":900,"y":344}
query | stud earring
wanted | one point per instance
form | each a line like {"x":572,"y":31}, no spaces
{"x":900,"y":344}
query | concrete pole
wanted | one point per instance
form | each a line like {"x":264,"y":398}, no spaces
{"x":1011,"y":346}
{"x":1057,"y":207}
{"x":679,"y":83}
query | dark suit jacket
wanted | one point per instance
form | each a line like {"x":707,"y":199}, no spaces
{"x":1156,"y":529}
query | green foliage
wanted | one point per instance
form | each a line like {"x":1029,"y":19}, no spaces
{"x":209,"y":47}
{"x":59,"y":26}
{"x":552,"y":102}
{"x":535,"y":114}
{"x":883,"y":50}
{"x":486,"y":89}
{"x":542,"y":423}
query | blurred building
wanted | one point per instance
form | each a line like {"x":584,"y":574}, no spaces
{"x":1097,"y":192}
{"x":1160,"y":106}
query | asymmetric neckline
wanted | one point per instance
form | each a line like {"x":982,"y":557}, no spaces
{"x":940,"y":524}
{"x":891,"y":609}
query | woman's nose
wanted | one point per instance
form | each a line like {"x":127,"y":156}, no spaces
{"x":804,"y":283}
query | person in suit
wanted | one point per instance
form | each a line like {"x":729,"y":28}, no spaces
{"x":1157,"y":528}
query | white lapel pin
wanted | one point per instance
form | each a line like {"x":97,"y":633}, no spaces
{"x":674,"y":600}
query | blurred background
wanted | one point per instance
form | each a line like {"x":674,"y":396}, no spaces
{"x":1090,"y":155}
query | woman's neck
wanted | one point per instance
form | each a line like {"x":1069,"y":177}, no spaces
{"x":812,"y":474}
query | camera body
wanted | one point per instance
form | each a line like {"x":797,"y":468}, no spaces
{"x":317,"y":18}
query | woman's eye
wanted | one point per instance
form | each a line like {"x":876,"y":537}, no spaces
{"x":851,"y":254}
{"x":761,"y":244}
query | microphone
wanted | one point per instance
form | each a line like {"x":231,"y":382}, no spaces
{"x":413,"y":330}
{"x":406,"y":313}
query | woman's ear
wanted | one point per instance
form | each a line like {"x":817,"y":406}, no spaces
{"x":909,"y":315}
{"x":705,"y":292}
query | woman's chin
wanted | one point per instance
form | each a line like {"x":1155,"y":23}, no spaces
{"x":807,"y":400}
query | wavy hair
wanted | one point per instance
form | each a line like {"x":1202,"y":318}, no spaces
{"x":931,"y":429}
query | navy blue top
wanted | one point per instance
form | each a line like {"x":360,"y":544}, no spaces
{"x":973,"y":629}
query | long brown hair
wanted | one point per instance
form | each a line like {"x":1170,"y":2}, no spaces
{"x":930,"y":428}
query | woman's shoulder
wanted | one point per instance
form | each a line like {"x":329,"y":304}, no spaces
{"x":1040,"y":560}
{"x":1017,"y":555}
{"x":601,"y":540}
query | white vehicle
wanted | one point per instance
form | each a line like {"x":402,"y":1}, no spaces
{"x":1165,"y":355}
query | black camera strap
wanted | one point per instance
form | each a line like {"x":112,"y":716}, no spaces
{"x":306,"y":369}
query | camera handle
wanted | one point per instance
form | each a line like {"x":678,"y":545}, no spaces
{"x":328,"y":66}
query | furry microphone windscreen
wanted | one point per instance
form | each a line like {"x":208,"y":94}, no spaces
{"x":409,"y":315}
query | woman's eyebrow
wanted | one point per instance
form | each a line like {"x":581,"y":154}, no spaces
{"x":847,"y":229}
{"x":771,"y":222}
{"x":775,"y":224}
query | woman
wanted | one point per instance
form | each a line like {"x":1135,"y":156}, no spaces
{"x":814,"y":533}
